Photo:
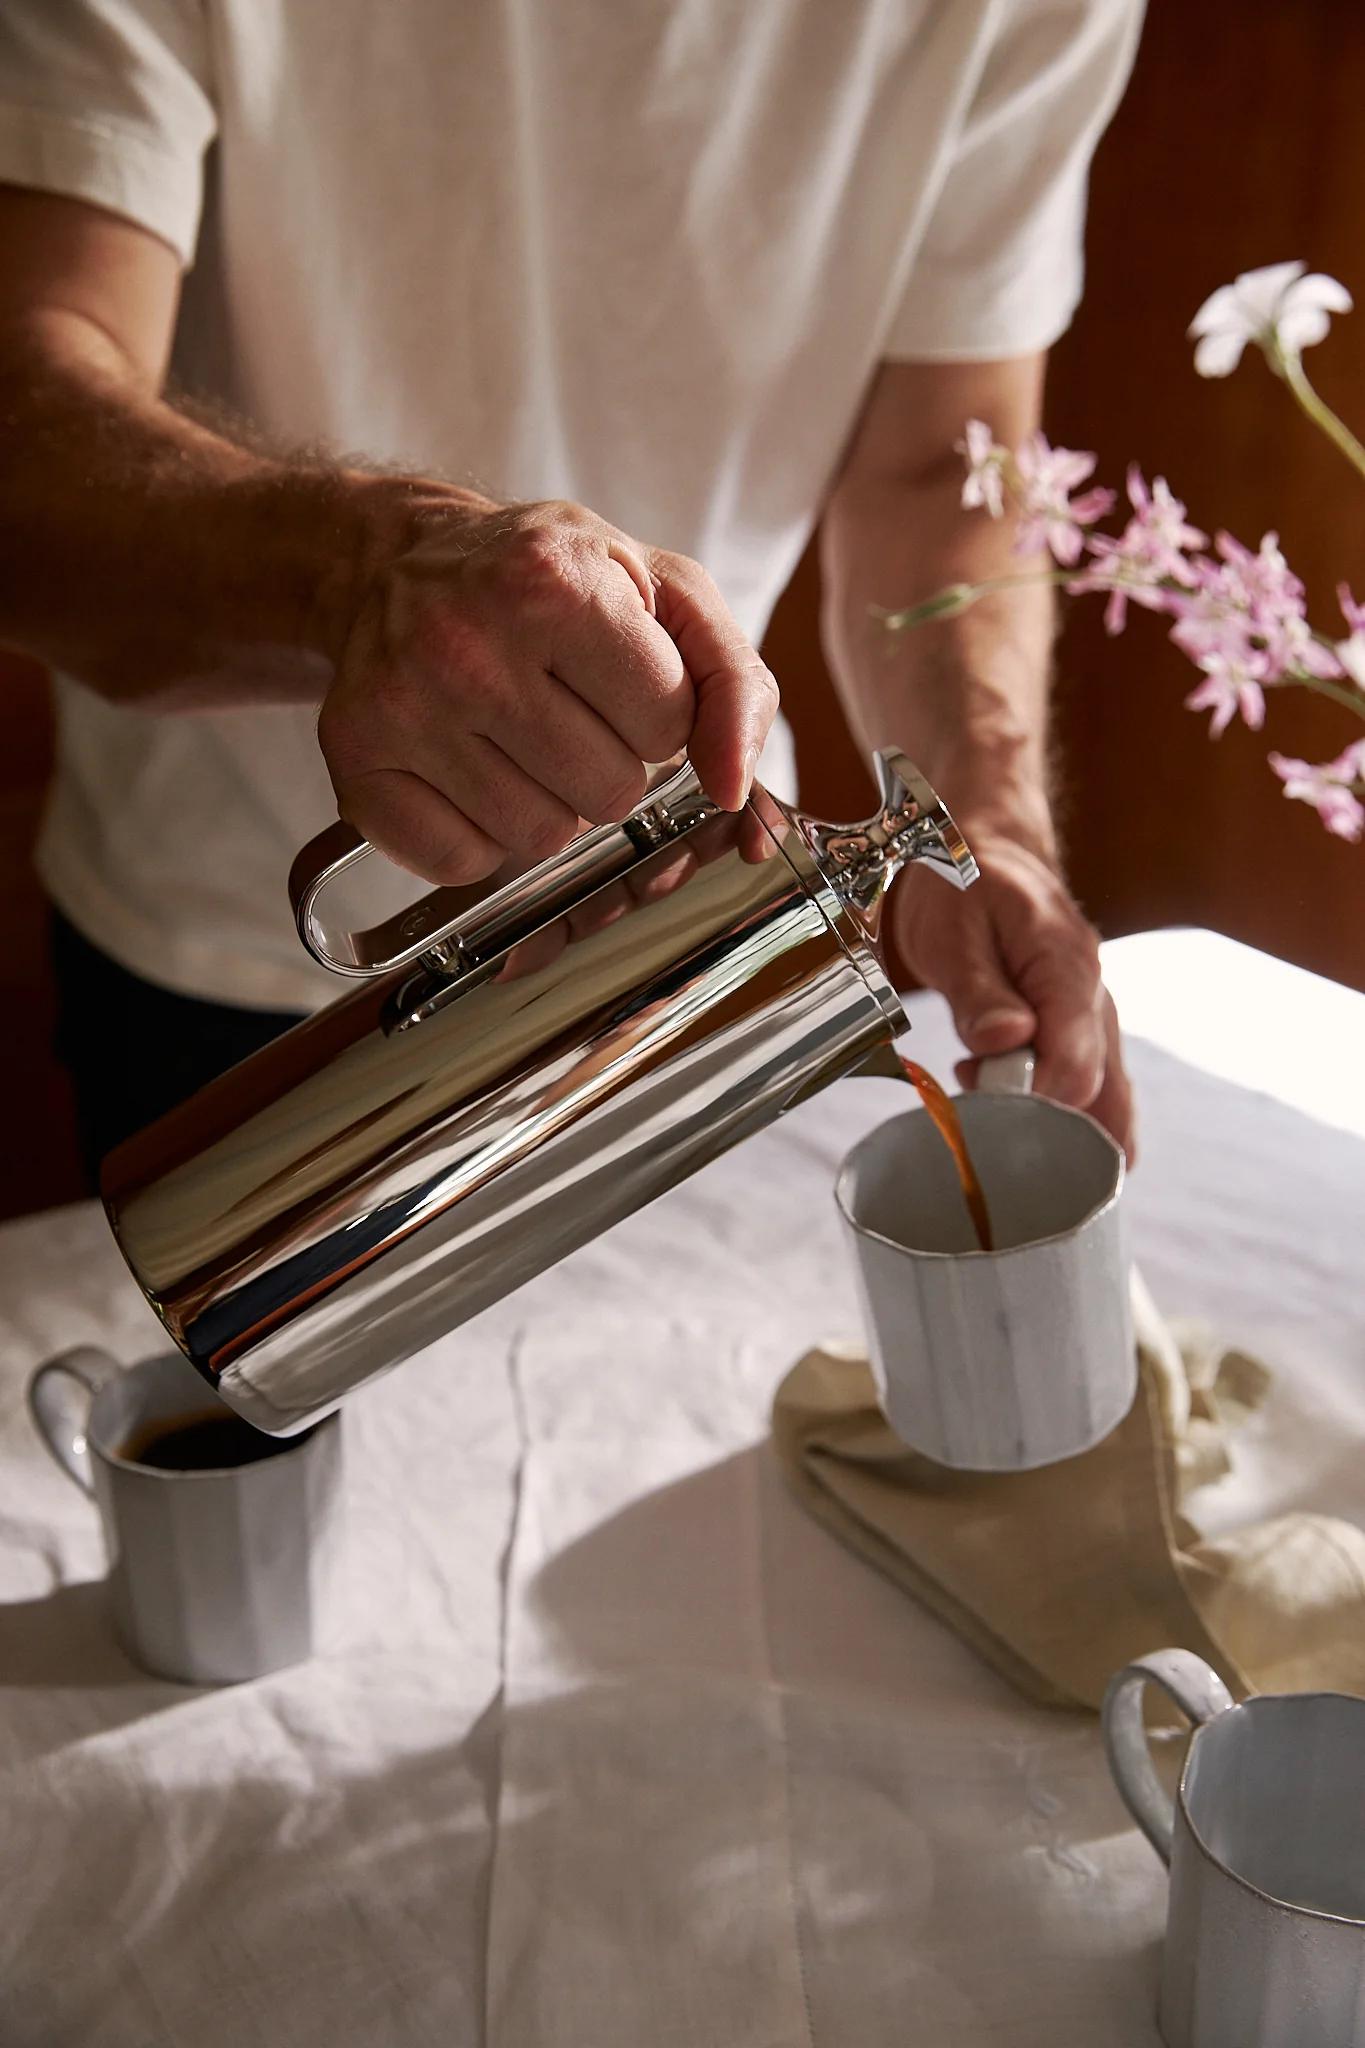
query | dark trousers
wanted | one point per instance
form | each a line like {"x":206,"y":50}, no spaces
{"x":133,"y":1050}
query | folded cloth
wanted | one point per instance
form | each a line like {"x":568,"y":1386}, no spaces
{"x":1061,"y":1575}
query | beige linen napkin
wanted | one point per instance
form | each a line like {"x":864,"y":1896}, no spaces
{"x":1059,"y":1576}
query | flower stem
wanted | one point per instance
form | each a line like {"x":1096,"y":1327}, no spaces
{"x":1290,"y":367}
{"x":1340,"y":693}
{"x":957,"y":597}
{"x":946,"y":604}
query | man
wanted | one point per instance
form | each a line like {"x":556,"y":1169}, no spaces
{"x":658,"y":283}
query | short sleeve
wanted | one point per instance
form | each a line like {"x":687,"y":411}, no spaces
{"x":1000,"y":269}
{"x":110,"y":101}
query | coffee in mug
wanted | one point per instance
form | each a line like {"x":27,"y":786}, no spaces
{"x":202,"y":1443}
{"x":220,"y":1538}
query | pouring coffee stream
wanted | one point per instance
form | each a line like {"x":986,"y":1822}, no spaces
{"x":948,"y":1124}
{"x":408,"y":1156}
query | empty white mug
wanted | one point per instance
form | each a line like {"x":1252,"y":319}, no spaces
{"x":216,"y":1575}
{"x":1265,"y":1930}
{"x":1002,"y":1360}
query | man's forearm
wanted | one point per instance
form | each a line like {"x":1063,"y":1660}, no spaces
{"x":488,"y":675}
{"x":156,"y":558}
{"x":966,"y":696}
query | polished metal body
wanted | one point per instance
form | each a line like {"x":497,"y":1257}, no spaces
{"x":214,"y":1577}
{"x":1265,"y":1932}
{"x":520,"y":1070}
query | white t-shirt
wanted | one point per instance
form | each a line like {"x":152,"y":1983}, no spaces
{"x":644,"y":254}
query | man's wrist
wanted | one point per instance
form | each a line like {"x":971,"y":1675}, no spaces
{"x":970,"y":707}
{"x":995,"y":794}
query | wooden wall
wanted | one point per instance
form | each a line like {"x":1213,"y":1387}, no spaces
{"x":38,"y":1160}
{"x":1241,"y":142}
{"x":1237,"y":145}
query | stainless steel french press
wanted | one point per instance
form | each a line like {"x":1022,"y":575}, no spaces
{"x":521,"y":1066}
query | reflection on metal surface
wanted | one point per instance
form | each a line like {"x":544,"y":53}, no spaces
{"x":913,"y":824}
{"x":603,"y":1026}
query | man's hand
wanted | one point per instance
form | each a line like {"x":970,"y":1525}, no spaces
{"x":489,"y":675}
{"x":512,"y":669}
{"x":1019,"y":965}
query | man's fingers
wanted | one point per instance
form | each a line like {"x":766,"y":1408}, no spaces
{"x":525,"y":663}
{"x":568,"y":748}
{"x":1114,"y":1106}
{"x":959,"y":957}
{"x":1018,"y":962}
{"x":736,"y":695}
{"x":1070,"y":1040}
{"x":618,"y":659}
{"x":417,"y":827}
{"x":517,"y":813}
{"x":1053,"y":956}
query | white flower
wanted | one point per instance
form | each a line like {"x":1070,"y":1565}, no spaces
{"x":985,"y":458}
{"x":1278,"y":308}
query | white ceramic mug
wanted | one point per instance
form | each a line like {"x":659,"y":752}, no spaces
{"x":215,"y":1575}
{"x":1265,"y":1930}
{"x":994,"y":1361}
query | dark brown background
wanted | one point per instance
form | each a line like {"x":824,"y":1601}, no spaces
{"x":1240,"y":143}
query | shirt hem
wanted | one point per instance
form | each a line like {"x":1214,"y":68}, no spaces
{"x":206,"y":972}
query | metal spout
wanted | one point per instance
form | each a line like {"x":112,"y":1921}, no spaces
{"x":861,"y":861}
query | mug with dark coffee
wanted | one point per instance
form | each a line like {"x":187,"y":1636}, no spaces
{"x":219,"y":1537}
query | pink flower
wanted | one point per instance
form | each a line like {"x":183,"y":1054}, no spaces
{"x":1353,"y":613}
{"x":984,"y":485}
{"x":1327,"y":786}
{"x":1052,"y":518}
{"x":1149,"y":552}
{"x":1231,"y":685}
{"x":1250,"y":603}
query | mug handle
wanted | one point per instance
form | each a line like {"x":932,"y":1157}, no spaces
{"x":1197,"y":1690}
{"x":60,"y":1416}
{"x":1007,"y":1073}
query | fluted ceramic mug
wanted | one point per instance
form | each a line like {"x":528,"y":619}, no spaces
{"x":1265,"y":1928}
{"x":1003,"y":1360}
{"x":216,"y":1575}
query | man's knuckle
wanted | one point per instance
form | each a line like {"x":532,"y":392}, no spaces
{"x":1078,"y":1071}
{"x":763,"y":685}
{"x":560,"y":513}
{"x":536,"y":569}
{"x":539,"y":832}
{"x":665,"y":726}
{"x":1086,"y":949}
{"x":616,"y":795}
{"x":459,"y":862}
{"x":679,"y":568}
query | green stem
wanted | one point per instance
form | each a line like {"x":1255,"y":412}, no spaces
{"x":1290,"y":367}
{"x":957,"y":597}
{"x":1340,"y":693}
{"x":947,"y":603}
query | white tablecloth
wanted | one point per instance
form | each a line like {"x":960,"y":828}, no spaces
{"x":611,"y":1747}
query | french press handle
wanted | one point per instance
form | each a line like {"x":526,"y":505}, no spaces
{"x":454,"y":930}
{"x":451,"y":929}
